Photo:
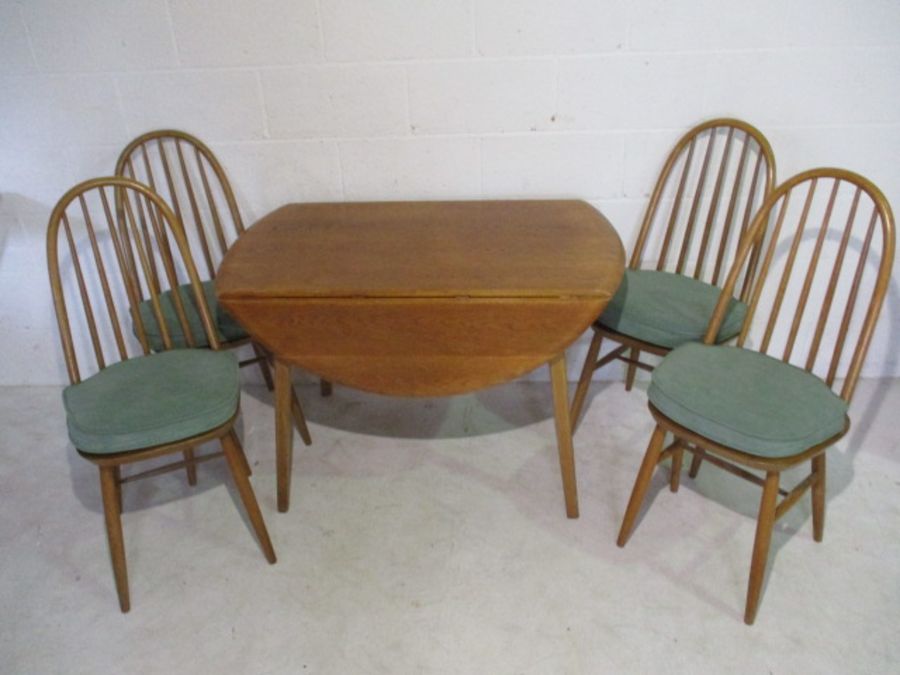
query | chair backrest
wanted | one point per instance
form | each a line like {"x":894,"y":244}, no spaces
{"x":826,"y":244}
{"x":107,"y":286}
{"x":185,"y":172}
{"x":713,"y":181}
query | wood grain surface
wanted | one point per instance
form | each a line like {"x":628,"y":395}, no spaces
{"x":422,"y":298}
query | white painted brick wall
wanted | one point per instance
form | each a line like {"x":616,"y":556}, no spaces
{"x":410,"y":99}
{"x":711,"y":25}
{"x":484,"y":96}
{"x":540,"y":27}
{"x":336,"y":101}
{"x":420,"y":168}
{"x":305,"y":171}
{"x":587,"y":166}
{"x":99,"y":35}
{"x":16,"y":53}
{"x":224,"y":104}
{"x":396,"y":29}
{"x":227,"y":32}
{"x":632,"y":92}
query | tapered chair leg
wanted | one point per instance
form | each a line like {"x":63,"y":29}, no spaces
{"x":109,"y":490}
{"x":641,"y":483}
{"x":245,"y":465}
{"x":587,"y":372}
{"x":695,"y":464}
{"x":117,"y":476}
{"x":190,"y":466}
{"x":818,"y":497}
{"x":632,"y":369}
{"x":675,"y":478}
{"x":233,"y":451}
{"x":761,"y":545}
{"x":325,"y":387}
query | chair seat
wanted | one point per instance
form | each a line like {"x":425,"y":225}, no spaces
{"x":228,"y":329}
{"x":152,"y":400}
{"x":746,"y":400}
{"x":667,"y":309}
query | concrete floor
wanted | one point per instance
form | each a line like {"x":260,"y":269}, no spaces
{"x":429,"y":536}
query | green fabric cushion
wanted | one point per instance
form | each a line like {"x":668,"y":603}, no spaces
{"x":152,"y":400}
{"x":228,"y":329}
{"x":668,"y":309}
{"x":746,"y":400}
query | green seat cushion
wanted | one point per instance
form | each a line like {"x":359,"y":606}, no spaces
{"x":667,"y":309}
{"x":746,"y":400}
{"x":228,"y":329}
{"x":152,"y":400}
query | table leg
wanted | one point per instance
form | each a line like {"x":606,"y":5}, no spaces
{"x":564,"y":433}
{"x":284,"y":433}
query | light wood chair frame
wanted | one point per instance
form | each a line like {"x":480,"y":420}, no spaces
{"x":734,"y":460}
{"x":630,"y":348}
{"x":160,"y":225}
{"x":138,"y":152}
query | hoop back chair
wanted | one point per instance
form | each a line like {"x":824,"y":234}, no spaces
{"x":777,"y":399}
{"x":127,"y":402}
{"x":186,"y":173}
{"x":711,"y":184}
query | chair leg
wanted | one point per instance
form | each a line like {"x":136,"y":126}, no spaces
{"x":233,"y":451}
{"x":299,"y":418}
{"x":108,"y":489}
{"x":190,"y":466}
{"x":245,"y":465}
{"x":632,"y":369}
{"x":264,"y":365}
{"x":761,"y":545}
{"x":325,"y":387}
{"x":818,"y":497}
{"x":675,"y":478}
{"x":641,"y":483}
{"x":117,"y":475}
{"x":587,"y":372}
{"x":695,"y":464}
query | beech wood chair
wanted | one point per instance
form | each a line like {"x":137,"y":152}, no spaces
{"x":186,"y":173}
{"x":128,"y":402}
{"x":775,"y":399}
{"x":714,"y":178}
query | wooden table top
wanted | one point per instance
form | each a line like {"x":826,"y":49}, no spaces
{"x":422,"y":298}
{"x":521,"y":249}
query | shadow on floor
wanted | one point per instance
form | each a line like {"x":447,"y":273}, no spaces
{"x":489,"y":411}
